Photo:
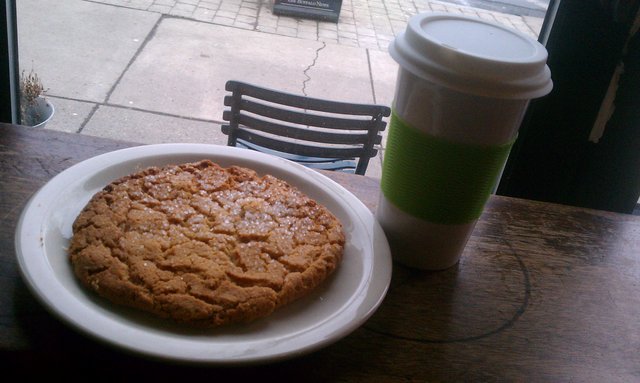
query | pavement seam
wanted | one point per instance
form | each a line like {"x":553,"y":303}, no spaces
{"x":84,"y":123}
{"x":307,"y":69}
{"x":373,"y":88}
{"x":118,"y":106}
{"x":148,"y":38}
{"x":142,"y":46}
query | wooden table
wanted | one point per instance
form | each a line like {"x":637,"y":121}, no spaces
{"x":543,"y":292}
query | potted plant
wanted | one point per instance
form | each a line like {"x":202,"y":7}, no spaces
{"x":35,"y":109}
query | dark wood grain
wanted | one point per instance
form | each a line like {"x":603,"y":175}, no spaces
{"x":543,"y":293}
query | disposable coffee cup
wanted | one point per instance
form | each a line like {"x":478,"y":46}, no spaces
{"x":462,"y":89}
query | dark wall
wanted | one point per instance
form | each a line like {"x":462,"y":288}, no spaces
{"x":553,"y":159}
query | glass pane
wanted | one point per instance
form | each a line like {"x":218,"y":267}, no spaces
{"x":154,"y":71}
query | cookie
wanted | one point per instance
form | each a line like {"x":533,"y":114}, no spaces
{"x":204,"y":245}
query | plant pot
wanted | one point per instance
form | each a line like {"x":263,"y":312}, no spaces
{"x":38,"y":113}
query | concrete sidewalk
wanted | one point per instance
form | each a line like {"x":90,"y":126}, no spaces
{"x":153,"y":71}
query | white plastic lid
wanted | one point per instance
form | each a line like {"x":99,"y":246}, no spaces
{"x":473,"y":56}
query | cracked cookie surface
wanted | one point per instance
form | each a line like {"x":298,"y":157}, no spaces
{"x":204,"y":245}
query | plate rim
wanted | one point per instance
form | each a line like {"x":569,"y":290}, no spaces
{"x":381,"y":256}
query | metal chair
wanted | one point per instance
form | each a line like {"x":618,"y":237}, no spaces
{"x":317,"y":133}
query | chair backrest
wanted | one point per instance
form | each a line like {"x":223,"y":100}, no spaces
{"x":317,"y":133}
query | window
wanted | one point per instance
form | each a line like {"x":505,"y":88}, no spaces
{"x":142,"y":67}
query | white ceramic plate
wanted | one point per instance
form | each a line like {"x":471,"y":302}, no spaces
{"x":340,"y":306}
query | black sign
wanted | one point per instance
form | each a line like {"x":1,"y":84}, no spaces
{"x":313,"y":9}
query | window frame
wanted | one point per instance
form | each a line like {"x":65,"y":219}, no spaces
{"x":9,"y":67}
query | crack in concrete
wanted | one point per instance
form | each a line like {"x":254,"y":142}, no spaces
{"x":315,"y":59}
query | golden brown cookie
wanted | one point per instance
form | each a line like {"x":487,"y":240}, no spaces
{"x":203,"y":244}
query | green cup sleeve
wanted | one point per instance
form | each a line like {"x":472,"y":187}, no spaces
{"x":437,"y":180}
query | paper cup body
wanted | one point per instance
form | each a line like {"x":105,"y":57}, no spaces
{"x":462,"y":89}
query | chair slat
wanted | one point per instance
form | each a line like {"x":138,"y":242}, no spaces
{"x":302,"y":149}
{"x":312,"y":162}
{"x":304,"y":102}
{"x":297,"y":133}
{"x":302,"y":118}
